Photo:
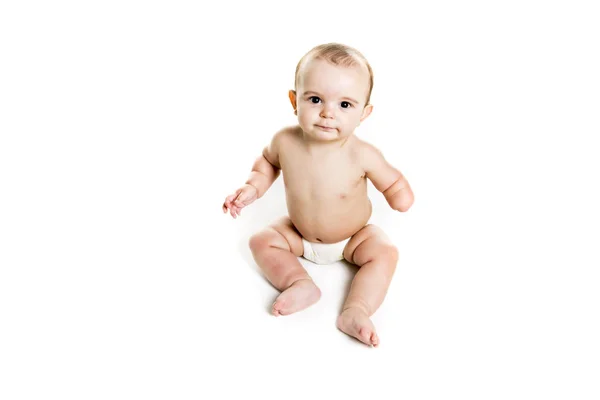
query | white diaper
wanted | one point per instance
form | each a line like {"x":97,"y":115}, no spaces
{"x":324,"y":253}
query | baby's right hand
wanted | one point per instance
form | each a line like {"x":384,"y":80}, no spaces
{"x":241,"y":198}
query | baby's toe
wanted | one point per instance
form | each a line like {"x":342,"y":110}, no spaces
{"x":374,"y":339}
{"x":365,"y":335}
{"x":278,"y":308}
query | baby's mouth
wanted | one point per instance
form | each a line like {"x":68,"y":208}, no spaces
{"x":325,"y":128}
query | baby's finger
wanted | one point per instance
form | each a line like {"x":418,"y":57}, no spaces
{"x":238,"y":198}
{"x":231,"y":198}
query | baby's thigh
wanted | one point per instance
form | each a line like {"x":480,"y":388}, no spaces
{"x":370,"y":243}
{"x":280,"y":234}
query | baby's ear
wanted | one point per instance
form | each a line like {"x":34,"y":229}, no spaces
{"x":292,"y":96}
{"x":366,"y":112}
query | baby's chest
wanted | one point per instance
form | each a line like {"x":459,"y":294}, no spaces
{"x":321,"y":179}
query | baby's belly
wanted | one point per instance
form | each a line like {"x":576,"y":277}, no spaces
{"x":330,"y":223}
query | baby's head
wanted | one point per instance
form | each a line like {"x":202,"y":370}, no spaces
{"x":338,"y":55}
{"x":333,"y":87}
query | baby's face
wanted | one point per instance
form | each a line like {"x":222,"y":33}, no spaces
{"x":330,"y":100}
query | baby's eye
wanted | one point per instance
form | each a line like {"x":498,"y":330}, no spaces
{"x":345,"y":104}
{"x":314,"y":99}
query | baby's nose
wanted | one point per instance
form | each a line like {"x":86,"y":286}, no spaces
{"x":326,"y":112}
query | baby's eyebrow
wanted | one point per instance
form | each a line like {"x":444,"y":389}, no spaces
{"x":310,"y":92}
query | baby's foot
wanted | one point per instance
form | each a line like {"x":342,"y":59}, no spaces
{"x":302,"y":294}
{"x":355,"y":322}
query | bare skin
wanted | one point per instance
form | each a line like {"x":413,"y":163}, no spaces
{"x":325,"y":168}
{"x":276,"y":250}
{"x":377,"y":257}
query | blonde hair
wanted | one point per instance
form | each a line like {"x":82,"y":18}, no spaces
{"x":337,"y":54}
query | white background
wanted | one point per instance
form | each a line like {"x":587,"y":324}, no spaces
{"x":125,"y":124}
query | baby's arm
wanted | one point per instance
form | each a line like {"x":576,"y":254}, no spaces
{"x":266,"y":168}
{"x":387,"y":179}
{"x":265,"y":171}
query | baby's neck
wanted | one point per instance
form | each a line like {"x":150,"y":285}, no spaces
{"x":325,"y":146}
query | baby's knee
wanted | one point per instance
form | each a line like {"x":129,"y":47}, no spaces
{"x":263,"y":239}
{"x":256,"y":241}
{"x":390,"y":254}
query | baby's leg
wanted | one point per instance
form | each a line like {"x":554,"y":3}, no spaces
{"x":377,"y":257}
{"x":275,"y":250}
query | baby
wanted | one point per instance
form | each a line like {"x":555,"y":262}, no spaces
{"x":325,"y":169}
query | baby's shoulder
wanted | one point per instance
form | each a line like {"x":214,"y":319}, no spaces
{"x":288,"y":133}
{"x":286,"y":137}
{"x":280,"y":142}
{"x":364,"y":151}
